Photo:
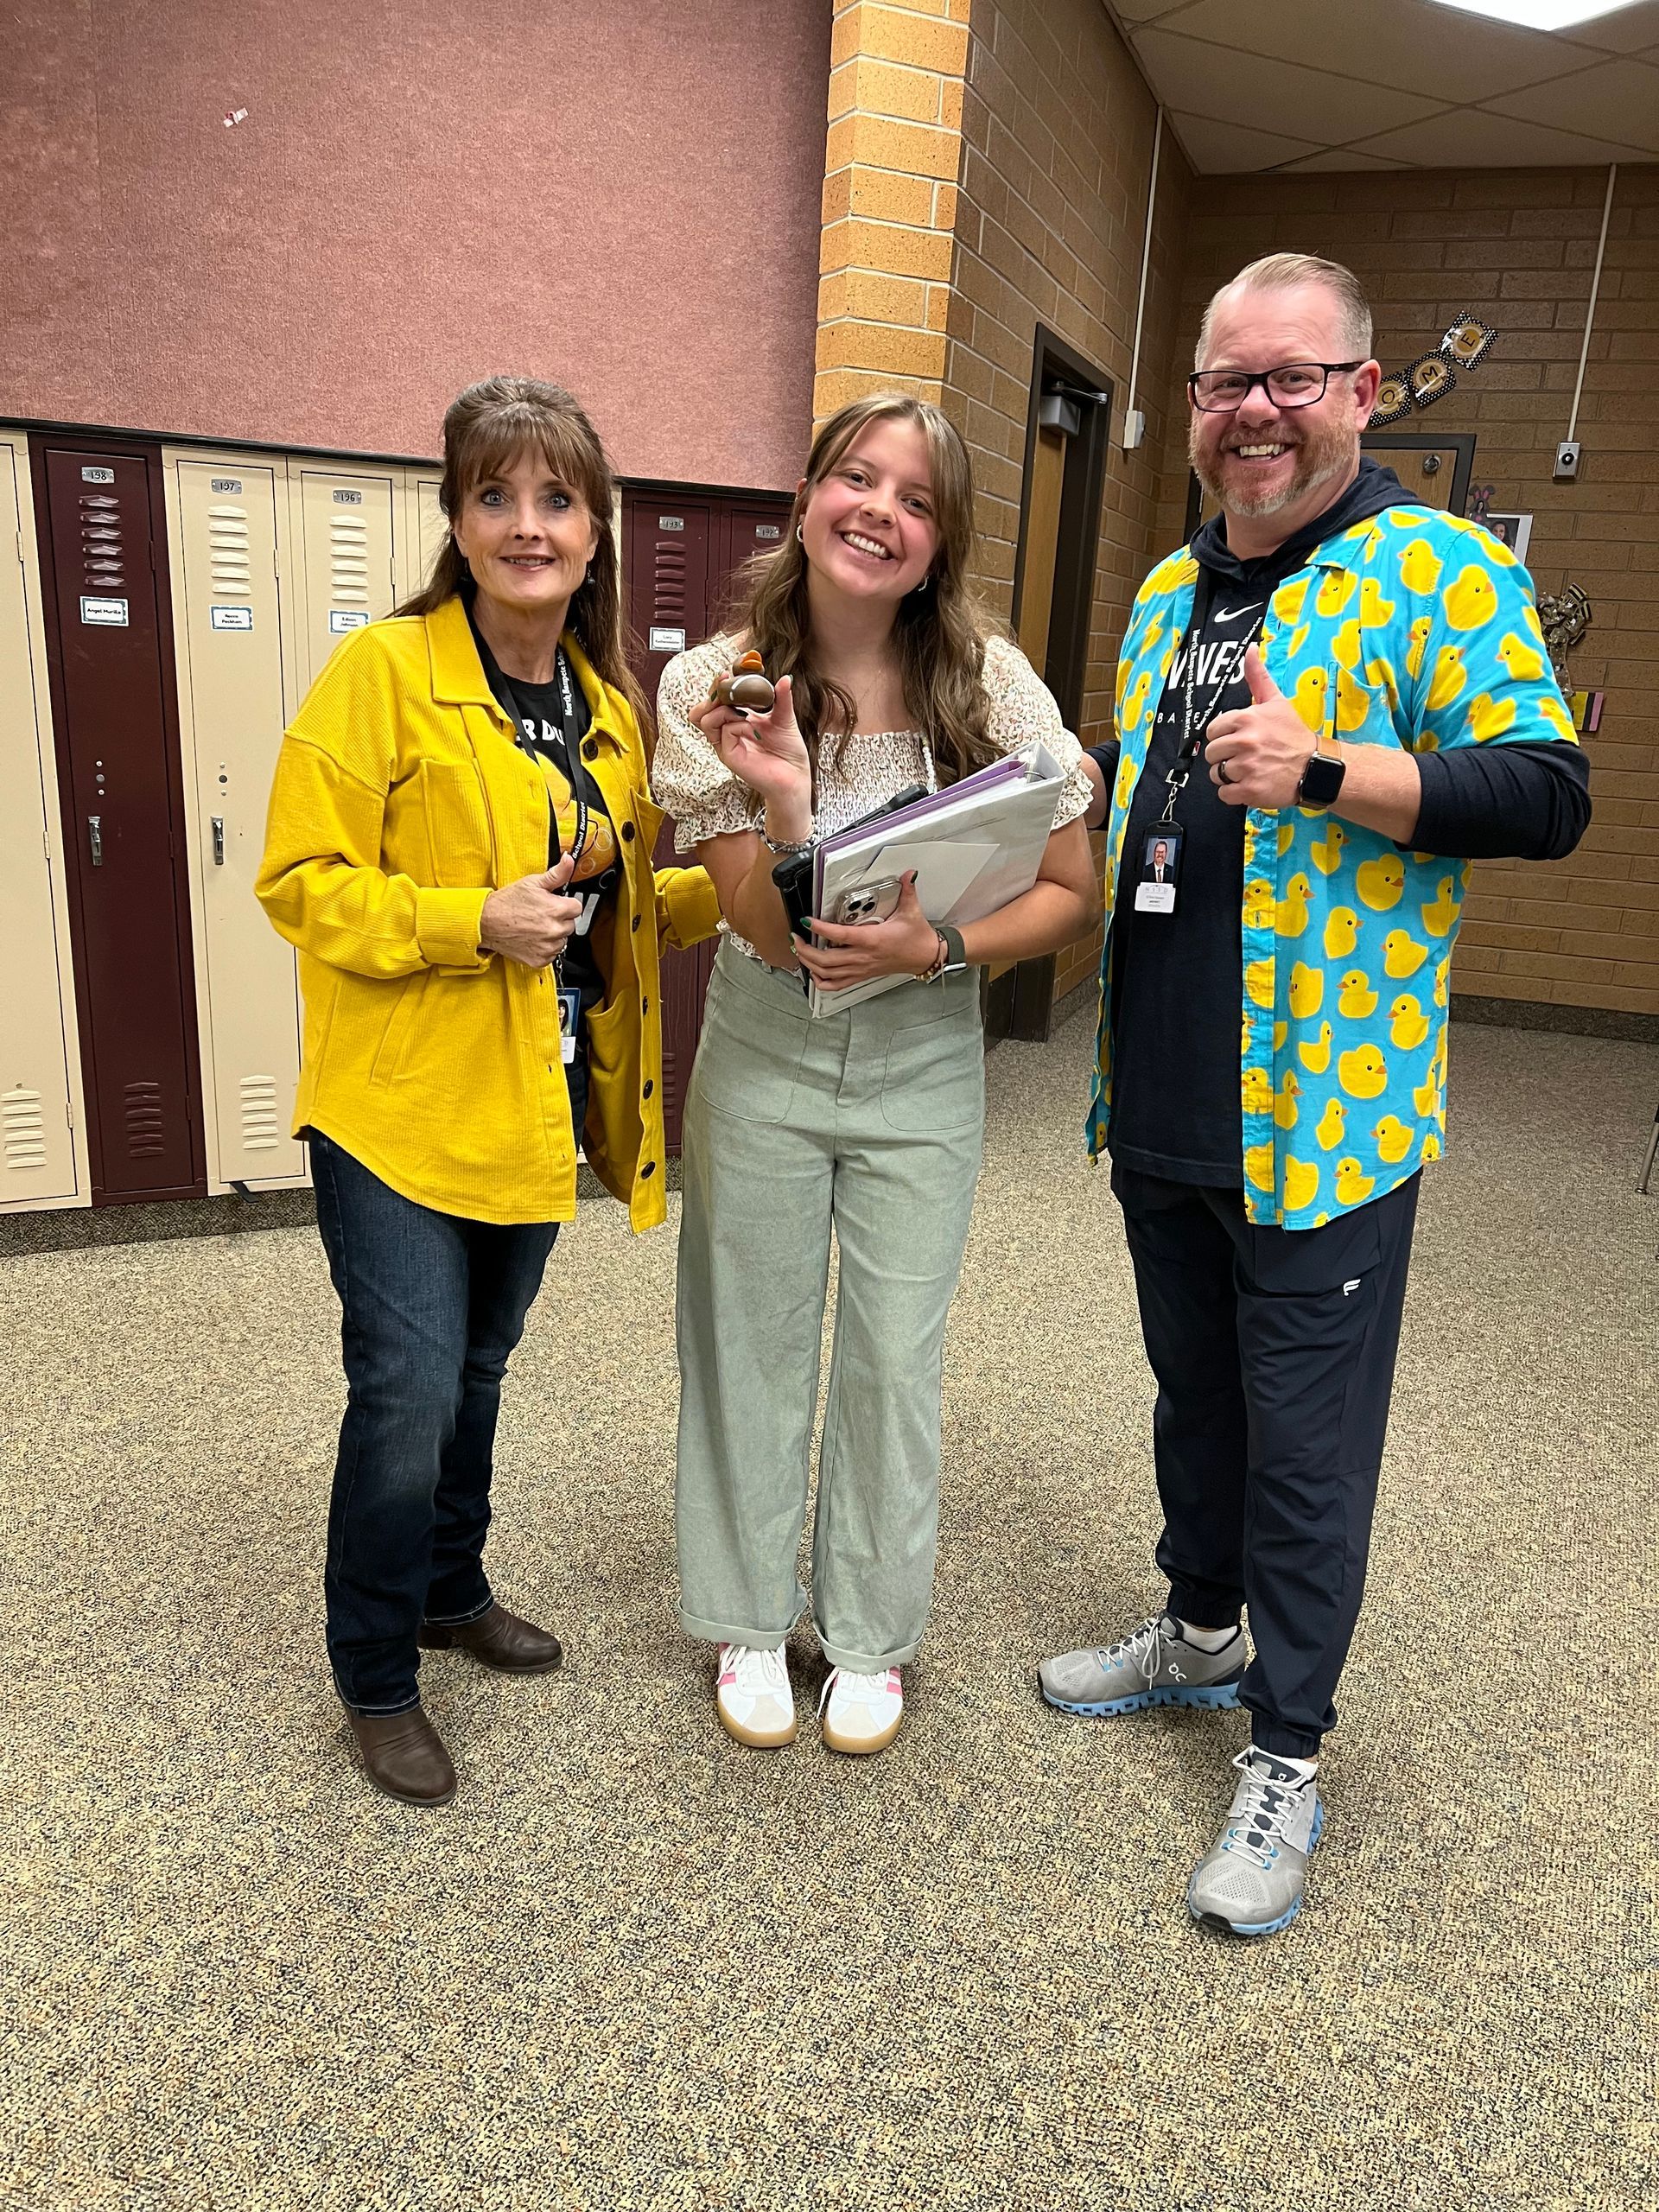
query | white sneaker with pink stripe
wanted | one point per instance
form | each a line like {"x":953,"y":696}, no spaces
{"x":754,"y":1697}
{"x":861,"y":1712}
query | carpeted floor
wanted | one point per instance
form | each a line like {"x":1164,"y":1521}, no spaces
{"x":635,"y":1966}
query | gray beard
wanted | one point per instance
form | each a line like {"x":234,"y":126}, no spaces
{"x":1316,"y":464}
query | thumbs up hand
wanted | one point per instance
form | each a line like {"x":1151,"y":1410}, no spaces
{"x":532,"y":921}
{"x":1258,"y":753}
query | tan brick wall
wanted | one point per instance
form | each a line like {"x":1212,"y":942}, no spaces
{"x":1517,"y":247}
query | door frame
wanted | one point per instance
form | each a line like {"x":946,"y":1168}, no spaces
{"x":147,"y":451}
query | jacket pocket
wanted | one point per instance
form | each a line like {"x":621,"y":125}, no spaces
{"x":394,"y":1049}
{"x":458,"y":838}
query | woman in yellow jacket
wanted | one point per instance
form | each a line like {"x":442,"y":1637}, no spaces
{"x":460,"y":845}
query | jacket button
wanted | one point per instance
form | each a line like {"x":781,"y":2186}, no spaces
{"x":627,"y":833}
{"x":636,"y":922}
{"x":650,"y":1168}
{"x":650,"y":1087}
{"x":590,"y":750}
{"x":645,"y":1006}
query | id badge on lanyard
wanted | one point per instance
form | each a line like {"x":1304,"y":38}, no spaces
{"x":1158,"y":872}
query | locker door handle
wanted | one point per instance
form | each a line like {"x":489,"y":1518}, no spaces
{"x":95,"y":833}
{"x":218,"y":841}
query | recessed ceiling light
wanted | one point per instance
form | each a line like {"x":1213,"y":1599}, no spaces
{"x":1541,"y":14}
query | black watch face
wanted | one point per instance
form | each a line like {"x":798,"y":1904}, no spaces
{"x":1322,"y":781}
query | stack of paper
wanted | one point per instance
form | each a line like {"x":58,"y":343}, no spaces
{"x":974,"y":848}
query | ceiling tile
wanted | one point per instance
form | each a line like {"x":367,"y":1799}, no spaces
{"x":1218,"y":148}
{"x":1340,"y":157}
{"x":1412,"y":45}
{"x":1617,"y":98}
{"x":1627,"y":30}
{"x":1473,"y":138}
{"x":1230,"y":86}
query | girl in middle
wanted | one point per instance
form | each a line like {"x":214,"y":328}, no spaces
{"x":866,"y":1124}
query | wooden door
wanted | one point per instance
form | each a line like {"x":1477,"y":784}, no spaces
{"x":109,"y":642}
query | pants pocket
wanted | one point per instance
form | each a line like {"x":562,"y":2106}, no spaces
{"x":934,"y":1079}
{"x":749,"y":1056}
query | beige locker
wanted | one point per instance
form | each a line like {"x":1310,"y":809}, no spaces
{"x":42,"y":1147}
{"x":343,"y":518}
{"x":423,"y":532}
{"x":223,"y":521}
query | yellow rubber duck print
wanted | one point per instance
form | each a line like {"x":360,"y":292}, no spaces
{"x":1302,"y":1184}
{"x":1258,"y":904}
{"x":1124,"y":668}
{"x":1284,"y":1103}
{"x":1524,"y":662}
{"x":1327,"y":850}
{"x":1393,"y":1139}
{"x":1401,"y":954}
{"x":1419,"y":570}
{"x":1442,"y":980}
{"x":1346,"y":643}
{"x":1298,"y":639}
{"x":1431,"y":1146}
{"x":1135,"y":704}
{"x":1379,"y":882}
{"x":1426,"y":1096}
{"x":1341,"y":932}
{"x":1335,"y":592}
{"x":1332,"y":1123}
{"x":1379,"y":674}
{"x":1312,"y":687}
{"x":1154,"y":630}
{"x":1353,"y":702}
{"x":1471,"y":601}
{"x":1316,"y":1057}
{"x":1442,"y":912}
{"x":1362,"y":1073}
{"x":1289,"y":599}
{"x":1417,"y":641}
{"x":1284,"y":838}
{"x":1258,"y":1165}
{"x":1258,"y":982}
{"x":1280,"y":1031}
{"x":1449,"y":677}
{"x":1354,"y":1187}
{"x":1558,"y":718}
{"x":1255,"y":1091}
{"x":1374,"y":609}
{"x":1490,"y":717}
{"x":1126,"y":775}
{"x":1529,"y":616}
{"x":1290,"y":916}
{"x":1408,"y":1023}
{"x":1355,"y":998}
{"x":1307,"y":989}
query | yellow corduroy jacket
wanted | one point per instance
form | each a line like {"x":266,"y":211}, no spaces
{"x":401,"y":801}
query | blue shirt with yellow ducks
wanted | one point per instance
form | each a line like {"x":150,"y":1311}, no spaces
{"x":1413,"y":629}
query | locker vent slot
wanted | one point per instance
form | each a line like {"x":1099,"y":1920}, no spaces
{"x":349,"y":561}
{"x":229,"y":560}
{"x":668,"y":600}
{"x":22,"y":1130}
{"x":145,"y":1135}
{"x":260,"y":1130}
{"x":100,"y":540}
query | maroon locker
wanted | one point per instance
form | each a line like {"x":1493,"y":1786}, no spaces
{"x":109,"y":649}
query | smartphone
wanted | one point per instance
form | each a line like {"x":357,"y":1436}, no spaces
{"x":869,"y":902}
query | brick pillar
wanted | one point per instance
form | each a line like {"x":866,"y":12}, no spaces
{"x":890,"y":165}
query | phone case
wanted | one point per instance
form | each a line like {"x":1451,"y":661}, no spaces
{"x":793,"y":874}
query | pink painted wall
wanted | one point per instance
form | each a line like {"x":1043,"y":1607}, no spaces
{"x":622,"y":195}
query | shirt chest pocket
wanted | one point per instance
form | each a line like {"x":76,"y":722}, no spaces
{"x":461,"y":848}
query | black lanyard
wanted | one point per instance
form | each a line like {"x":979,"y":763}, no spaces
{"x":1193,"y":725}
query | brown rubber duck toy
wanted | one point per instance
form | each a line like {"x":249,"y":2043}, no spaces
{"x":745,"y":690}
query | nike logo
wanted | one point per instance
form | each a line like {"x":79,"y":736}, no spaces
{"x":1221,"y":621}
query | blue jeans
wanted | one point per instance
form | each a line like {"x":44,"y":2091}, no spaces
{"x":432,"y":1307}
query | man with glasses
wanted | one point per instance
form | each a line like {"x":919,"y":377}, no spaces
{"x":1329,"y":704}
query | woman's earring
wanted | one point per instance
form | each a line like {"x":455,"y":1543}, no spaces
{"x":799,"y":540}
{"x":923,"y":586}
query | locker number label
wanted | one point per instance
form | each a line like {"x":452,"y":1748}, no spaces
{"x":768,"y":530}
{"x":97,"y":476}
{"x":106,"y":613}
{"x":341,"y":619}
{"x":227,"y":484}
{"x":671,"y":522}
{"x":231,"y":617}
{"x":667,"y":641}
{"x":348,"y":498}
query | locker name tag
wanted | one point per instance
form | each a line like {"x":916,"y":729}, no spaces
{"x":667,"y":641}
{"x":348,"y":498}
{"x":341,"y":619}
{"x":230,"y":618}
{"x":671,"y":522}
{"x":97,"y":476}
{"x":109,"y":613}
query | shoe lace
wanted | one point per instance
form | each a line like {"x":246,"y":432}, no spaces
{"x":866,"y":1687}
{"x":762,"y":1672}
{"x":1139,"y":1647}
{"x":1261,"y":1820}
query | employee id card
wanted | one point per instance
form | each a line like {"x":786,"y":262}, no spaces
{"x":1158,"y":876}
{"x":569,"y":1014}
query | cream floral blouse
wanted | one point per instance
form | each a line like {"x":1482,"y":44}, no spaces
{"x":690,"y":780}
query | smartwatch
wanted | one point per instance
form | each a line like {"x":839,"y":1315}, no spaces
{"x":1322,"y":778}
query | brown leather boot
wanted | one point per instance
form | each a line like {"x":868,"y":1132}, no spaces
{"x":500,"y":1639}
{"x":405,"y":1754}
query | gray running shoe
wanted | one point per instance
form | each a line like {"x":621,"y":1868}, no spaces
{"x":1251,"y":1881}
{"x":1154,"y":1666}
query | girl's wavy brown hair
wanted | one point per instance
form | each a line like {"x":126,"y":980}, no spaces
{"x":939,"y":630}
{"x":486,"y":429}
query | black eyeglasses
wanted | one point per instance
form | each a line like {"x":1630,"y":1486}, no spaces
{"x":1298,"y":383}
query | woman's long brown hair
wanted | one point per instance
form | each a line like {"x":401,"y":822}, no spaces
{"x":485,"y":430}
{"x":938,"y":631}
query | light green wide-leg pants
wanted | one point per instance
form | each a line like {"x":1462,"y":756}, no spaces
{"x":868,"y":1123}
